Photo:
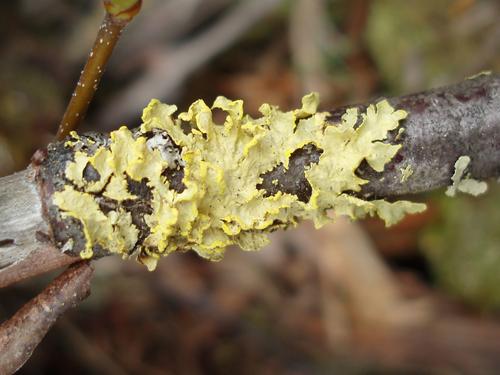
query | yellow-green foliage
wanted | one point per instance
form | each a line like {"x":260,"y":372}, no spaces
{"x":221,"y":204}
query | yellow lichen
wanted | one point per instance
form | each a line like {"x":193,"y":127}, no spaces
{"x":463,"y":183}
{"x":223,"y":164}
{"x":482,"y":73}
{"x":400,"y":134}
{"x":406,"y":173}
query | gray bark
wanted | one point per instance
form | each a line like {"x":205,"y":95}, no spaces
{"x":25,"y":245}
{"x":21,"y":217}
{"x":442,"y":125}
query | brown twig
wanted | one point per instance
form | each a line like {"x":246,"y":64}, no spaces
{"x":40,"y":261}
{"x":20,"y":335}
{"x":117,"y":17}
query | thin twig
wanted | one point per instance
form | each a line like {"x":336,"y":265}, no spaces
{"x":171,"y":66}
{"x":109,"y":33}
{"x":39,"y":261}
{"x":21,"y":334}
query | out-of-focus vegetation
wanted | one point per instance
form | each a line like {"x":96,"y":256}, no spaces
{"x":420,"y":44}
{"x":464,"y":248}
{"x":351,"y":298}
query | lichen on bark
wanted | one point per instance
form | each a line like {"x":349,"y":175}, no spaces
{"x":464,"y":183}
{"x":190,"y":183}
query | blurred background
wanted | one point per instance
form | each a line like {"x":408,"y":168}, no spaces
{"x":422,"y":297}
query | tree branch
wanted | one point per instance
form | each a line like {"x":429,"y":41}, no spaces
{"x":118,"y":15}
{"x":21,"y":334}
{"x":25,"y":249}
{"x":443,"y":124}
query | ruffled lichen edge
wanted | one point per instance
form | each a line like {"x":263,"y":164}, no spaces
{"x":462,"y":182}
{"x":221,"y":203}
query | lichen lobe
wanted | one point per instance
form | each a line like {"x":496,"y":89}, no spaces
{"x":462,"y":182}
{"x":223,"y":199}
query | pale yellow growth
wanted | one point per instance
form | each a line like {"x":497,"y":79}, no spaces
{"x":223,"y":164}
{"x":482,"y":73}
{"x":400,"y":134}
{"x":406,"y":173}
{"x":113,"y":231}
{"x":465,"y":184}
{"x":75,"y":138}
